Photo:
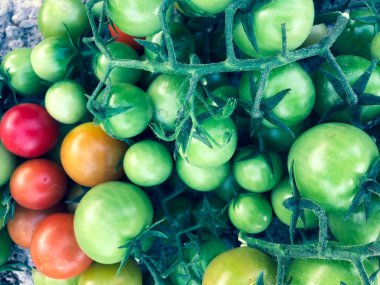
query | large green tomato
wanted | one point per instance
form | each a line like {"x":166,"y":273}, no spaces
{"x":357,"y":229}
{"x":240,"y":266}
{"x":323,"y":272}
{"x":136,"y":18}
{"x":279,"y":194}
{"x":54,"y":59}
{"x":108,"y":216}
{"x":6,"y":246}
{"x":41,"y":279}
{"x":329,"y":161}
{"x":298,"y":15}
{"x":118,"y":50}
{"x":102,"y":274}
{"x":8,"y":164}
{"x":257,"y":173}
{"x":132,"y":121}
{"x":148,"y":163}
{"x":353,"y":67}
{"x":201,"y":179}
{"x":202,"y":155}
{"x":297,"y":104}
{"x":55,"y":14}
{"x":17,"y":67}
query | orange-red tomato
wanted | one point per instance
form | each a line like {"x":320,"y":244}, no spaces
{"x":54,"y":249}
{"x":90,"y":157}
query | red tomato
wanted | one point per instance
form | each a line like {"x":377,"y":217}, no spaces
{"x":28,"y":130}
{"x":124,"y":38}
{"x":54,"y":249}
{"x":38,"y":184}
{"x":25,"y":221}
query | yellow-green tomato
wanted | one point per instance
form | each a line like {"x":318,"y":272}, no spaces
{"x":250,"y":213}
{"x":8,"y":164}
{"x":255,"y":171}
{"x":41,"y":279}
{"x":66,"y":102}
{"x":240,"y":266}
{"x":282,"y":192}
{"x":102,"y":274}
{"x":148,"y":163}
{"x":201,"y":179}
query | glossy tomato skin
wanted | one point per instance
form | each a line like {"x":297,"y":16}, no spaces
{"x":282,"y":192}
{"x":114,"y":212}
{"x":250,"y":213}
{"x":102,"y":274}
{"x":321,"y":272}
{"x":54,"y":249}
{"x":124,"y":38}
{"x":18,"y":68}
{"x":296,"y":106}
{"x":339,"y":153}
{"x":25,"y":221}
{"x":353,"y":67}
{"x":41,"y":279}
{"x":90,"y":157}
{"x":118,"y":50}
{"x":148,"y":163}
{"x":28,"y":130}
{"x":267,"y":20}
{"x":6,"y":246}
{"x":55,"y":14}
{"x":8,"y":164}
{"x":38,"y":184}
{"x":240,"y":266}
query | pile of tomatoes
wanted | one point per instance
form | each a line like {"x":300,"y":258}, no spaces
{"x":194,"y":142}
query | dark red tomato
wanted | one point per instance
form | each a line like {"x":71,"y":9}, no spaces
{"x":54,"y":249}
{"x":124,"y":38}
{"x":28,"y":130}
{"x":25,"y":221}
{"x":38,"y":184}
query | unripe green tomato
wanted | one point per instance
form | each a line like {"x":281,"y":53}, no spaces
{"x":118,"y":50}
{"x":66,"y":102}
{"x":201,"y":179}
{"x":148,"y":163}
{"x":17,"y":67}
{"x":41,"y":279}
{"x":55,"y":14}
{"x":54,"y":59}
{"x":317,"y":33}
{"x":279,"y":194}
{"x":257,"y":172}
{"x":375,"y":46}
{"x":8,"y":164}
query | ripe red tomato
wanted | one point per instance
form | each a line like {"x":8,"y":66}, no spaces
{"x":124,"y":38}
{"x":28,"y":130}
{"x":38,"y":184}
{"x":54,"y":249}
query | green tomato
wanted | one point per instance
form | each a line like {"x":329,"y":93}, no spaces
{"x":257,"y":172}
{"x":6,"y":246}
{"x":353,"y":67}
{"x":8,"y":164}
{"x":201,"y":179}
{"x":298,"y":16}
{"x":317,"y":33}
{"x":54,"y":59}
{"x":132,"y":121}
{"x":66,"y":102}
{"x":203,"y":156}
{"x":17,"y":67}
{"x":297,"y":104}
{"x":241,"y":265}
{"x":41,"y":279}
{"x":148,"y":163}
{"x":114,"y":213}
{"x":322,"y":272}
{"x":55,"y":14}
{"x":357,"y":229}
{"x":102,"y":274}
{"x":136,"y":18}
{"x":329,"y":162}
{"x":203,"y":8}
{"x":357,"y":36}
{"x":279,"y":194}
{"x":183,"y":42}
{"x":375,"y":46}
{"x":118,"y":50}
{"x":250,"y":213}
